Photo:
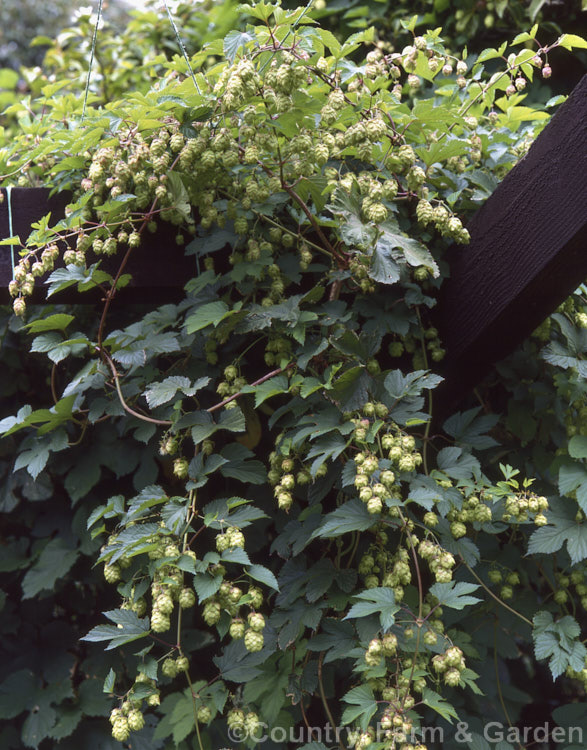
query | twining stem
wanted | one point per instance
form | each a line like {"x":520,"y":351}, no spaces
{"x":312,"y":219}
{"x":498,"y":681}
{"x":323,"y":697}
{"x":123,"y":403}
{"x":420,"y":606}
{"x":269,"y":375}
{"x":167,"y":422}
{"x":195,"y":711}
{"x":305,"y":718}
{"x":429,"y":422}
{"x":497,"y":599}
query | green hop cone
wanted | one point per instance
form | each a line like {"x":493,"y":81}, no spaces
{"x":164,"y":604}
{"x":112,"y":573}
{"x":136,"y":720}
{"x":251,"y":723}
{"x":160,"y":622}
{"x":120,"y":729}
{"x":204,"y":715}
{"x":235,"y":719}
{"x":169,"y":668}
{"x":256,"y":621}
{"x":211,"y":613}
{"x":237,"y":628}
{"x":187,"y":598}
{"x":256,"y":597}
{"x":452,"y":677}
{"x":254,"y":641}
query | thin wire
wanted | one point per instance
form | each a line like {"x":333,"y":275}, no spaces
{"x":94,"y":38}
{"x":10,"y":231}
{"x":181,"y":46}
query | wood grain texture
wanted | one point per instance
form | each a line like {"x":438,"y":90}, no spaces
{"x":528,"y":252}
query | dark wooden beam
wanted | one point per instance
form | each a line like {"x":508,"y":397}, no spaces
{"x":528,"y":252}
{"x":159,"y":267}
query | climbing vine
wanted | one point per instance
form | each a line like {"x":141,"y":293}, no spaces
{"x":288,"y":539}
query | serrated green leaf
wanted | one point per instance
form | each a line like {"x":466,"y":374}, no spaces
{"x":232,"y":420}
{"x":330,"y":41}
{"x":128,"y":628}
{"x":37,"y":726}
{"x":17,"y":693}
{"x":353,"y":230}
{"x":235,"y":555}
{"x":379,"y":601}
{"x":67,"y":720}
{"x":160,"y":393}
{"x":263,"y":575}
{"x":578,"y":446}
{"x":350,"y":390}
{"x":456,"y":463}
{"x":91,"y":698}
{"x":174,"y":514}
{"x":337,"y":638}
{"x":549,"y":539}
{"x":363,"y":705}
{"x":239,"y":465}
{"x":352,"y":516}
{"x":455,"y":594}
{"x":273,"y":387}
{"x":212,"y":313}
{"x":54,"y":562}
{"x":206,"y":585}
{"x":572,"y":41}
{"x":321,"y":578}
{"x":571,"y":715}
{"x":414,"y":253}
{"x":558,"y":641}
{"x":437,"y":703}
{"x":469,"y":428}
{"x":57,"y":322}
{"x":400,"y":386}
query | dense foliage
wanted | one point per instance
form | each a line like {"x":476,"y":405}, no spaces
{"x":23,"y":22}
{"x":246,"y":483}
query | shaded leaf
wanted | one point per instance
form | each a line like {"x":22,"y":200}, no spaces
{"x":352,"y":516}
{"x":54,"y":562}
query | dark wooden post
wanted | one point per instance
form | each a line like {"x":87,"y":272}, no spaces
{"x":26,"y":206}
{"x":528,"y":252}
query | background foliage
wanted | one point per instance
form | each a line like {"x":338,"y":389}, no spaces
{"x":247,"y":481}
